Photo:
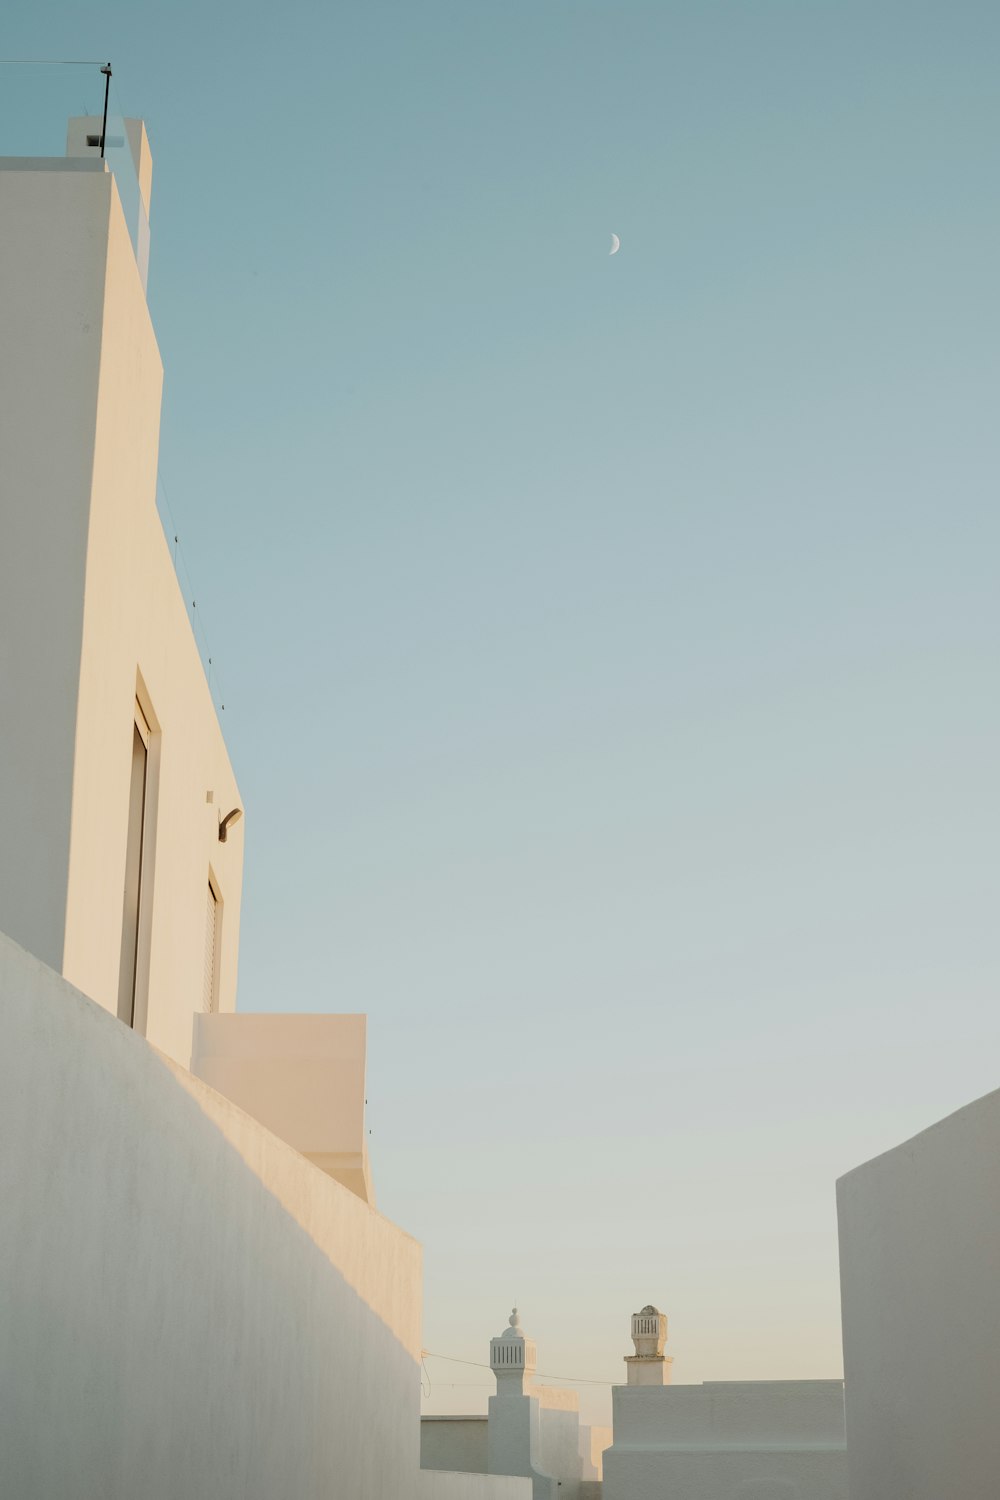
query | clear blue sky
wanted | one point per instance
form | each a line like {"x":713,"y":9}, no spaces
{"x":609,"y":644}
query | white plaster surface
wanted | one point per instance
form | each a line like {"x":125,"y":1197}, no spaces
{"x":593,"y":1442}
{"x":566,"y":1451}
{"x":769,"y":1440}
{"x":433,"y":1485}
{"x":920,"y":1291}
{"x":303,"y":1076}
{"x":512,"y":1439}
{"x":458,"y":1443}
{"x":135,"y":622}
{"x":90,"y":609}
{"x":54,"y":237}
{"x":190,"y":1308}
{"x":559,"y":1437}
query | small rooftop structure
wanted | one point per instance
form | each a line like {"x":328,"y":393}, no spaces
{"x":512,"y":1357}
{"x":649,"y":1365}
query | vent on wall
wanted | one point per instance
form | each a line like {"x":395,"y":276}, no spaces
{"x":508,"y":1354}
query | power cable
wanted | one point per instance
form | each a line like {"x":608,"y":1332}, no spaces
{"x":537,"y":1374}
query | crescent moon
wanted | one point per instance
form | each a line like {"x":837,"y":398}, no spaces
{"x":616,"y":245}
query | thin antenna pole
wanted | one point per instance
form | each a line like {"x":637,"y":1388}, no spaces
{"x":106,"y":70}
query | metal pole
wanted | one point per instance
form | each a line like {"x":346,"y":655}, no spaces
{"x":106,"y":70}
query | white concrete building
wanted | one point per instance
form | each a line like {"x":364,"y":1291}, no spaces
{"x":115,"y":774}
{"x":198,"y":1310}
{"x":920,"y":1291}
{"x":724,"y":1440}
{"x":200,"y":1298}
{"x":530,"y":1429}
{"x":121,"y":860}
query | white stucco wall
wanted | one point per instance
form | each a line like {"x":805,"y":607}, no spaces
{"x":433,"y":1485}
{"x":747,"y":1440}
{"x":536,"y":1434}
{"x":91,"y":616}
{"x":593,"y":1442}
{"x":54,"y":236}
{"x":513,"y":1441}
{"x":190,"y":1308}
{"x":303,"y":1076}
{"x":564,"y":1450}
{"x":458,"y":1443}
{"x":559,"y":1448}
{"x":920,"y":1290}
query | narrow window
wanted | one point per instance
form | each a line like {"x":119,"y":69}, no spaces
{"x":132,"y":900}
{"x":209,"y":995}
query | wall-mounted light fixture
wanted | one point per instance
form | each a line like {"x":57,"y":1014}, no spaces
{"x":231,"y":817}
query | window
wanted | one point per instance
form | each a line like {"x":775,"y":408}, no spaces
{"x":210,"y":981}
{"x":134,"y":849}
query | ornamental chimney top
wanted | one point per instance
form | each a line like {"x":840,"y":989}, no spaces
{"x":649,"y":1365}
{"x":513,"y":1357}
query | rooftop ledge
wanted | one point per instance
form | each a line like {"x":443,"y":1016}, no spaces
{"x":712,"y":1447}
{"x":51,"y":164}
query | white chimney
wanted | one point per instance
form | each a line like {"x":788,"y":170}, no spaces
{"x":512,"y":1358}
{"x":649,"y":1365}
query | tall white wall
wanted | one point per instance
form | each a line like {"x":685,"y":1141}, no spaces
{"x":444,"y":1486}
{"x":513,"y":1441}
{"x":593,"y":1442}
{"x":190,"y":1308}
{"x":456,"y":1443}
{"x":91,"y":616}
{"x":54,"y":236}
{"x":559,"y":1445}
{"x":920,"y":1272}
{"x":744,"y":1440}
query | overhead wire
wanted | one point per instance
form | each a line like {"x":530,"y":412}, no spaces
{"x":477,"y":1364}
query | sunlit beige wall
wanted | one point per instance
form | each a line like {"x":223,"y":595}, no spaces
{"x":91,"y":616}
{"x":193,"y":1309}
{"x":303,"y":1076}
